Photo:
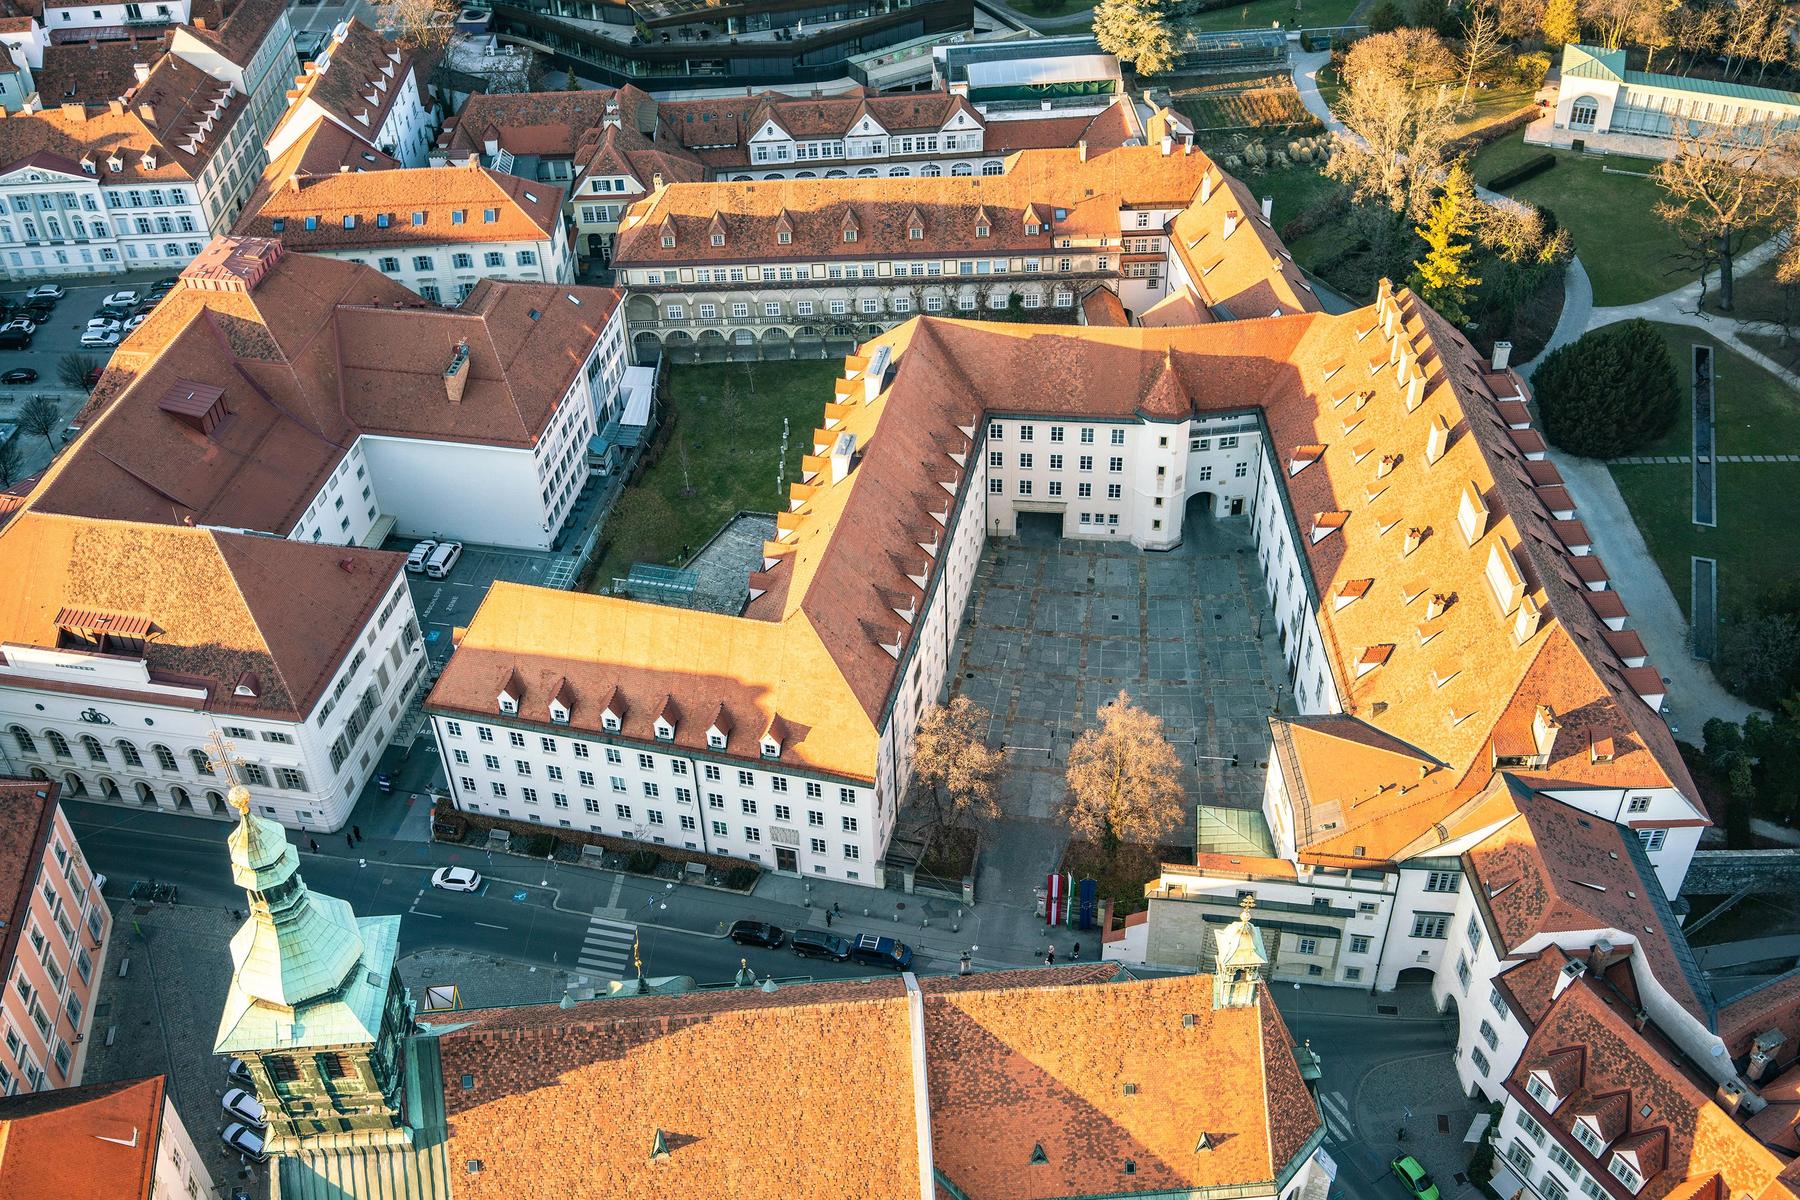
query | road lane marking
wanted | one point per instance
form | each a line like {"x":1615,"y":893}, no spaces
{"x":485,"y":925}
{"x":419,"y":913}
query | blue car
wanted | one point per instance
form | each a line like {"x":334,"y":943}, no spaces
{"x":875,"y":951}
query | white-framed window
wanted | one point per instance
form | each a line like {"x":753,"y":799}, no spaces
{"x":1624,"y":1172}
{"x":1430,"y":925}
{"x":1653,"y":839}
{"x":1443,"y":881}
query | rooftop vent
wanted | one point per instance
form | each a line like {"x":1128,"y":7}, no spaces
{"x":456,"y":375}
{"x":843,"y":455}
{"x":197,"y":405}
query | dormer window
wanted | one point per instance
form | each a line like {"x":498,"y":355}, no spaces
{"x":312,"y":223}
{"x":508,"y":704}
{"x":849,"y":235}
{"x":277,"y":225}
{"x":115,"y":164}
{"x":668,"y":241}
{"x":558,"y":713}
{"x":1031,"y":230}
{"x":718,"y":239}
{"x":609,"y":722}
{"x":715,"y":740}
{"x":771,"y":748}
{"x":665,"y":732}
{"x":981,"y":231}
{"x":1539,"y":1089}
{"x":1589,"y":1136}
{"x":784,"y":238}
{"x":1624,"y":1172}
{"x":915,"y":233}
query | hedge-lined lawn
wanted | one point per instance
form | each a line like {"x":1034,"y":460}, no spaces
{"x":731,"y":447}
{"x":1261,"y":14}
{"x":1755,"y":542}
{"x":1626,"y":248}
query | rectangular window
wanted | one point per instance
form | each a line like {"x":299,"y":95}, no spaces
{"x":1430,"y":925}
{"x":1652,"y":839}
{"x":1443,"y":881}
{"x":1359,"y":943}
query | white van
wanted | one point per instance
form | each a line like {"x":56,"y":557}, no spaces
{"x":442,"y":559}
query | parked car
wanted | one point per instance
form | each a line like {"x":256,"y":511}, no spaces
{"x":19,"y":375}
{"x":97,"y":339}
{"x":756,"y":933}
{"x":1414,"y":1178}
{"x":874,"y":951}
{"x":415,"y":562}
{"x":238,"y":1073}
{"x":814,"y":943}
{"x":104,"y":322}
{"x":122,"y":299}
{"x":165,"y":285}
{"x":246,"y":1140}
{"x":455,"y":879}
{"x":39,"y":312}
{"x":16,"y":340}
{"x":243,"y":1104}
{"x":442,"y":559}
{"x":20,"y":323}
{"x":134,"y":322}
{"x":44,"y":291}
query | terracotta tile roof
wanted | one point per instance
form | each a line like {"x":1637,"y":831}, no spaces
{"x":27,"y":811}
{"x":1683,"y":1140}
{"x":541,"y":124}
{"x":361,"y":65}
{"x":623,"y":151}
{"x":94,"y":72}
{"x":317,"y":351}
{"x":1774,"y":1005}
{"x":382,"y":206}
{"x":1013,"y":1059}
{"x":1013,"y":1069}
{"x":95,"y":1142}
{"x":1242,"y":281}
{"x":326,"y":148}
{"x":160,"y":117}
{"x":1103,"y":307}
{"x":241,"y":31}
{"x":650,"y":653}
{"x":1106,"y":130}
{"x":1088,"y":194}
{"x":224,"y":604}
{"x":1527,"y":984}
{"x":1553,"y":869}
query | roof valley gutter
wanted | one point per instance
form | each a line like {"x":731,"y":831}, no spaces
{"x":915,"y":1014}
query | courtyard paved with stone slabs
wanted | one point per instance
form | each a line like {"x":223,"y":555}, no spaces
{"x":1058,"y":626}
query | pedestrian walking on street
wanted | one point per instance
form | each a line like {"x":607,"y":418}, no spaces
{"x":1075,"y":953}
{"x":314,"y":843}
{"x":349,"y":841}
{"x":828,"y":918}
{"x":1050,"y":955}
{"x":357,"y":830}
{"x":835,"y":911}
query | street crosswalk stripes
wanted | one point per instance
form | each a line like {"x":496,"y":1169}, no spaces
{"x":1337,"y":1117}
{"x":606,"y":950}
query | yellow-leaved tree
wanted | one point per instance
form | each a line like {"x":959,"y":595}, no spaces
{"x":1124,"y":779}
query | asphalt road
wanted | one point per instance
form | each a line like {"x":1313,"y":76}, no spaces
{"x":524,"y":911}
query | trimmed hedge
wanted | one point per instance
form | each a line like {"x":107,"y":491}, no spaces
{"x":449,"y":823}
{"x":1530,"y":169}
{"x":1610,"y":392}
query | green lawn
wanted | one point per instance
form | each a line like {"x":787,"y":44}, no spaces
{"x":728,"y":428}
{"x":1755,"y":542}
{"x":1625,"y":247}
{"x":1755,"y":294}
{"x":1260,"y":14}
{"x":1294,"y":189}
{"x":1491,"y":105}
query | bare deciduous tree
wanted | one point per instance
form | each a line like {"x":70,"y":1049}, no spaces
{"x":9,"y":461}
{"x":1719,"y":187}
{"x":1395,"y":159}
{"x":1124,"y":779}
{"x":1408,"y":56}
{"x":953,"y":765}
{"x":1481,"y":44}
{"x":41,"y":417}
{"x":418,"y":24}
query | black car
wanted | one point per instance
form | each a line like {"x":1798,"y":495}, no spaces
{"x":15,"y":339}
{"x":756,"y":933}
{"x":877,"y":951}
{"x":814,"y":943}
{"x":19,"y":375}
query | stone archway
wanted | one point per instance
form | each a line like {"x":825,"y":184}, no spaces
{"x":182,"y":800}
{"x":215,"y":803}
{"x":74,"y":784}
{"x":109,"y":789}
{"x":146,"y":795}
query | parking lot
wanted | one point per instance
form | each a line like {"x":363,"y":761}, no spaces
{"x":444,"y":604}
{"x":56,"y":338}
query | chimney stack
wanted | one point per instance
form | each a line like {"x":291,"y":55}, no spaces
{"x":1081,"y":150}
{"x":1543,"y":730}
{"x":1231,"y":222}
{"x":1206,"y":186}
{"x":1414,"y":536}
{"x":1762,"y":1053}
{"x":141,"y":71}
{"x":1434,"y":607}
{"x":1168,"y":144}
{"x":1187,"y":144}
{"x":1437,"y":439}
{"x":656,"y":182}
{"x":1502,"y":355}
{"x":456,"y":375}
{"x":1572,"y":970}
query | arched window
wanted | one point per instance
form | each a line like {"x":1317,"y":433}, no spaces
{"x":165,"y":758}
{"x":58,"y":743}
{"x":130,"y":754}
{"x":898,"y":172}
{"x":74,"y":784}
{"x":962,"y":169}
{"x":146,"y":794}
{"x":200,"y":763}
{"x":27,"y":745}
{"x":95,"y":751}
{"x":931,"y":170}
{"x":992,"y":168}
{"x":1583,"y":113}
{"x":108,"y":788}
